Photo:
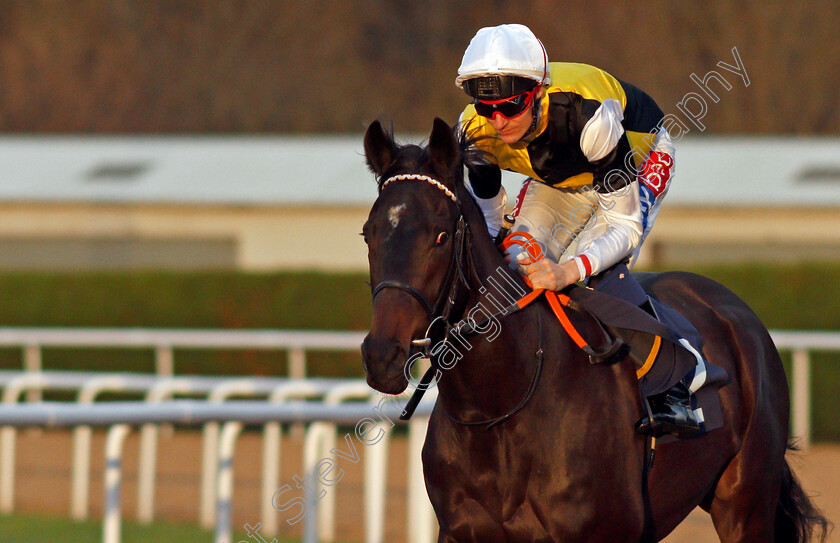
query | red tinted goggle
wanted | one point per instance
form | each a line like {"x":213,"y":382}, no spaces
{"x":507,"y":108}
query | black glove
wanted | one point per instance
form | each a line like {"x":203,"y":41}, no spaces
{"x":486,"y":180}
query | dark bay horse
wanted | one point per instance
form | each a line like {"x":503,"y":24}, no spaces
{"x":530,"y":442}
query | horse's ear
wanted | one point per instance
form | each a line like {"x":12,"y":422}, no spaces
{"x":443,"y":148}
{"x":380,"y":149}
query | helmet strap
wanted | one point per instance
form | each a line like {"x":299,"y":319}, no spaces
{"x":536,"y":111}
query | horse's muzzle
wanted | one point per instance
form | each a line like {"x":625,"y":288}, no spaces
{"x":384,"y":361}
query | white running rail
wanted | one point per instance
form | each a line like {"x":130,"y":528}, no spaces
{"x":800,"y":344}
{"x":294,"y":342}
{"x":120,"y":416}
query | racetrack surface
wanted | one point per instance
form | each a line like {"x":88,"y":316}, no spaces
{"x":44,"y":460}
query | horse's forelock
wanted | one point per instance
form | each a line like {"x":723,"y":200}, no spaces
{"x":413,"y":158}
{"x":410,"y":159}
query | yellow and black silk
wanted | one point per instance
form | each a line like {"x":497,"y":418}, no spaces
{"x":552,"y":153}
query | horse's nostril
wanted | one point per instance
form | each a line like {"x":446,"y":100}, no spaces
{"x":365,"y":351}
{"x":378,"y":355}
{"x":397,"y":350}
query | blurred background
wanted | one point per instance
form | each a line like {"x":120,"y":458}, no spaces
{"x":199,"y":165}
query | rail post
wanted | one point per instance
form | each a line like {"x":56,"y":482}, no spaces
{"x":224,"y":503}
{"x":315,"y":440}
{"x":112,"y":519}
{"x":297,"y":363}
{"x":326,"y":506}
{"x":32,"y":362}
{"x":210,"y":447}
{"x":376,"y":474}
{"x":802,"y":396}
{"x":80,"y":477}
{"x":421,"y":516}
{"x":8,"y":438}
{"x":7,"y":469}
{"x":272,"y":452}
{"x":147,"y":462}
{"x":165,"y":367}
{"x":297,"y":370}
{"x":164,"y":361}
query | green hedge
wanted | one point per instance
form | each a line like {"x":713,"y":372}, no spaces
{"x":186,"y":300}
{"x":789,"y":297}
{"x":793,"y":297}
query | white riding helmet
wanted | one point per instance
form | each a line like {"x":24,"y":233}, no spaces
{"x":504,"y":50}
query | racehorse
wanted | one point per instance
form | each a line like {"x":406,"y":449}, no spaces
{"x":528,"y":441}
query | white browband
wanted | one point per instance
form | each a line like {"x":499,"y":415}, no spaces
{"x":426,"y":178}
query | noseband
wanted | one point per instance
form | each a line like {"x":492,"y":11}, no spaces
{"x":445,"y":299}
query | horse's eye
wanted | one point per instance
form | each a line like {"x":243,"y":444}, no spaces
{"x":442,"y":238}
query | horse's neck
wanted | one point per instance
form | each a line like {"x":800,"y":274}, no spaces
{"x":494,"y":366}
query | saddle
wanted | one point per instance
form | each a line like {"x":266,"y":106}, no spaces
{"x":628,"y":322}
{"x":616,"y":329}
{"x":609,"y":306}
{"x":657,"y":355}
{"x":662,"y":344}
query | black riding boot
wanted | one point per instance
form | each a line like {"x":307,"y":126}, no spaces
{"x":672,"y":414}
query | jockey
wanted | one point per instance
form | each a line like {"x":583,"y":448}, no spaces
{"x":598,"y":161}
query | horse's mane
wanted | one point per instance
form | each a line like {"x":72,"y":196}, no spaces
{"x":471,"y":153}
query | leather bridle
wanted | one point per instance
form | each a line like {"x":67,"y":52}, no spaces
{"x":443,"y":307}
{"x":445,"y":299}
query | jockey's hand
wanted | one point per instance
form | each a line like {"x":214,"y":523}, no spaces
{"x":549,"y":275}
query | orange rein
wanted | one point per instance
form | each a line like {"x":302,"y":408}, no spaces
{"x":556,"y":301}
